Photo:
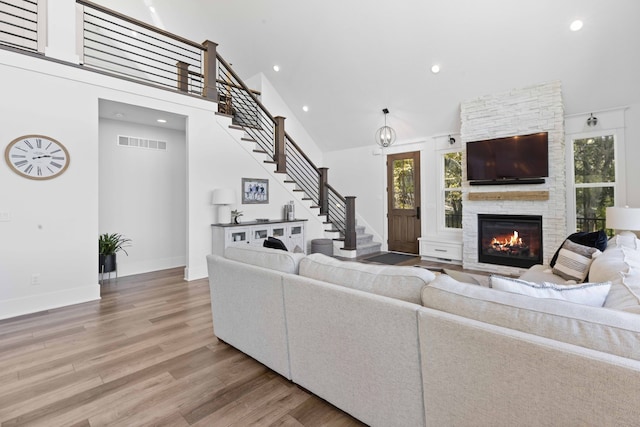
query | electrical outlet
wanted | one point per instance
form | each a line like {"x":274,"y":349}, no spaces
{"x":5,"y":216}
{"x":35,"y":279}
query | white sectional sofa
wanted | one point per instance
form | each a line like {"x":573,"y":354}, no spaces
{"x":400,"y":346}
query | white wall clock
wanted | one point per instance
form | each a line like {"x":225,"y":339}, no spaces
{"x":37,"y":157}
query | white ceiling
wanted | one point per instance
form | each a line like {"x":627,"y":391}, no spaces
{"x":347,"y":60}
{"x":144,"y":116}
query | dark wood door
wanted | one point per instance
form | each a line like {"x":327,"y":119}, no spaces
{"x":403,"y":195}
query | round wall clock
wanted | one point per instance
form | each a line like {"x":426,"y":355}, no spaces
{"x":37,"y":157}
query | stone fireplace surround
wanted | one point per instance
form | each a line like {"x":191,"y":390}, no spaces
{"x":536,"y":108}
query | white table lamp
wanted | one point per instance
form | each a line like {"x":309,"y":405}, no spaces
{"x":223,"y":197}
{"x":623,"y":219}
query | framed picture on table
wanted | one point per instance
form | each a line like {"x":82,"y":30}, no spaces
{"x":255,"y":190}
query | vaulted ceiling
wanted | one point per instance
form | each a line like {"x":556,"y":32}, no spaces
{"x":348,"y":59}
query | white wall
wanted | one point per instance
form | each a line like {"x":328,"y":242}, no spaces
{"x":54,"y":224}
{"x":361,"y":172}
{"x":142,"y":195}
{"x":53,"y":228}
{"x":632,"y":144}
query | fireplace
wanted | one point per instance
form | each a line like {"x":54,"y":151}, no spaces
{"x":512,"y":240}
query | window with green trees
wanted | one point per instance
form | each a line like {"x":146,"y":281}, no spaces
{"x":452,"y":189}
{"x":595,"y":180}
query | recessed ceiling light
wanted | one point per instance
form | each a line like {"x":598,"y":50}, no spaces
{"x":119,"y":115}
{"x":435,"y":69}
{"x":576,"y":25}
{"x":276,"y":68}
{"x":161,"y":121}
{"x":305,"y":108}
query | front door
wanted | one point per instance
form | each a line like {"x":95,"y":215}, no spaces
{"x":403,"y":195}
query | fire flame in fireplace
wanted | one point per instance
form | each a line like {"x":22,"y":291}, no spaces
{"x":508,"y":242}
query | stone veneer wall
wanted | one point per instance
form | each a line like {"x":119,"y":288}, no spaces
{"x":532,"y":109}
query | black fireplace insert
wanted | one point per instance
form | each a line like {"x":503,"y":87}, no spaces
{"x":512,"y":240}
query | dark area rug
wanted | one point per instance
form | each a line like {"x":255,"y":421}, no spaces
{"x":390,"y":258}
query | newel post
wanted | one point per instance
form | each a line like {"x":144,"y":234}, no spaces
{"x":350,"y":230}
{"x":183,"y":76}
{"x":279,"y":155}
{"x":210,"y":70}
{"x":323,"y":193}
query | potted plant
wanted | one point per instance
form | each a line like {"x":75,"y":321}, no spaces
{"x":108,"y":246}
{"x":235,"y":216}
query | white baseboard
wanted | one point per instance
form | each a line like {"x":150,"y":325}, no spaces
{"x":47,"y":301}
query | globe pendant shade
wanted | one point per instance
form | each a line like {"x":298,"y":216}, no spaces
{"x":385,"y":136}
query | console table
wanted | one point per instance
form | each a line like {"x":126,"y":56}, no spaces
{"x":255,"y":232}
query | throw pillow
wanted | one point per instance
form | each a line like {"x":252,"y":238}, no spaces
{"x":625,"y":293}
{"x":574,"y":261}
{"x":593,"y":294}
{"x":596,"y":239}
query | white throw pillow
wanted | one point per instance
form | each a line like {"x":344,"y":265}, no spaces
{"x":574,"y":261}
{"x":593,"y":294}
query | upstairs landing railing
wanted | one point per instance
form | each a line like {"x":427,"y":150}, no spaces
{"x":115,"y":44}
{"x":20,"y":26}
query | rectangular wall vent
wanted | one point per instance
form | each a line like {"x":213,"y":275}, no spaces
{"x":137,"y":142}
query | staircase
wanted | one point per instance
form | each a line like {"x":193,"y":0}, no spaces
{"x":364,"y":243}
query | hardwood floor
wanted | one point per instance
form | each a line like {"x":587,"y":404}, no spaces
{"x":145,"y":354}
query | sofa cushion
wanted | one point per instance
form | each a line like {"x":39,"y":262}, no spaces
{"x":404,"y":283}
{"x":595,"y":239}
{"x":541,"y":273}
{"x":574,"y":261}
{"x":625,"y":292}
{"x":274,"y":259}
{"x":610,"y":331}
{"x":593,"y":294}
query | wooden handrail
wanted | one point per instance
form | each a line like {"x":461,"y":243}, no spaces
{"x":244,"y":87}
{"x":139,"y":23}
{"x":235,"y":86}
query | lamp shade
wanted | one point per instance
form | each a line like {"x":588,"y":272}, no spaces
{"x":223,"y":196}
{"x":623,"y":218}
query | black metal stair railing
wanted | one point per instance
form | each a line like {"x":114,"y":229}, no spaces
{"x":302,"y":171}
{"x":19,"y":24}
{"x":238,"y":101}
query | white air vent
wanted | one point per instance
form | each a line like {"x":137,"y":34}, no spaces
{"x":134,"y":141}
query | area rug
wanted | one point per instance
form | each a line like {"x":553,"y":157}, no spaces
{"x":391,"y":258}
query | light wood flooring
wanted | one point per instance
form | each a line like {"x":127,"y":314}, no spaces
{"x":145,"y":354}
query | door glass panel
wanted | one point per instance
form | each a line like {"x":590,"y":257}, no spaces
{"x":278,"y":232}
{"x":403,"y":184}
{"x":452,"y":190}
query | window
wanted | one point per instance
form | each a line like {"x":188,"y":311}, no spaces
{"x":452,"y":189}
{"x":594,"y":170}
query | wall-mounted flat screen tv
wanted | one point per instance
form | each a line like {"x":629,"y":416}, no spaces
{"x":505,"y":160}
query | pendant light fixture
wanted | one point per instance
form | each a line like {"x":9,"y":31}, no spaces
{"x":385,"y":136}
